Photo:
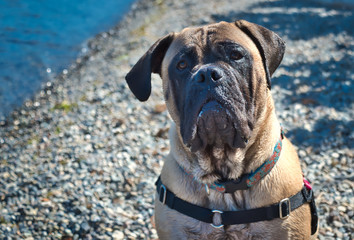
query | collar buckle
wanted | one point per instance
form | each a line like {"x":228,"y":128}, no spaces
{"x":212,"y":224}
{"x":284,"y":208}
{"x":162,"y":188}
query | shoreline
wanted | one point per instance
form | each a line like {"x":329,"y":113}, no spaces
{"x":80,"y":159}
{"x":45,"y":46}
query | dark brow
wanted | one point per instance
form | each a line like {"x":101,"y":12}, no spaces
{"x":228,"y":43}
{"x":186,"y":50}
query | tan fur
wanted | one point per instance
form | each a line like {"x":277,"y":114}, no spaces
{"x":283,"y":181}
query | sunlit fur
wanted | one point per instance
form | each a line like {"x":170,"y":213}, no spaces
{"x":283,"y":181}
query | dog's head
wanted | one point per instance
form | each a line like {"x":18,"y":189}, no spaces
{"x":215,"y":80}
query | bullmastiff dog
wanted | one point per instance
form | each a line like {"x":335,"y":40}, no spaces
{"x":230,"y":173}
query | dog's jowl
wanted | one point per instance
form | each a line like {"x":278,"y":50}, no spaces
{"x":231,"y":173}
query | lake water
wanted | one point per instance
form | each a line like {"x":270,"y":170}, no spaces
{"x":40,"y":38}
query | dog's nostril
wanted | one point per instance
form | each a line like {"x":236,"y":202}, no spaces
{"x":201,"y":77}
{"x":215,"y":75}
{"x":208,"y":74}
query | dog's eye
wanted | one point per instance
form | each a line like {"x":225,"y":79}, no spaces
{"x":236,"y":55}
{"x":181,"y":64}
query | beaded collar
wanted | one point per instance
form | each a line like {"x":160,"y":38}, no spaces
{"x":249,"y":179}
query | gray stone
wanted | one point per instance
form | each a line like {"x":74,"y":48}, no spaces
{"x":118,"y":235}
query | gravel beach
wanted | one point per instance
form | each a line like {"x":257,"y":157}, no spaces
{"x":80,"y":159}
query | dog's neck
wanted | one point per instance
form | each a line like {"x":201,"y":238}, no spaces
{"x":251,"y":158}
{"x":264,"y":136}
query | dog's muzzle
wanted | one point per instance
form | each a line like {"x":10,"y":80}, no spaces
{"x":214,"y":126}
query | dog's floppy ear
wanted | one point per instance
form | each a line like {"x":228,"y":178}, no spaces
{"x":269,"y":44}
{"x":139,"y":77}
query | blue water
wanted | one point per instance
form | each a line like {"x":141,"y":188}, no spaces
{"x":40,"y":38}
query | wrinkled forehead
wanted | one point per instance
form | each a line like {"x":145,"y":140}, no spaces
{"x":205,"y":37}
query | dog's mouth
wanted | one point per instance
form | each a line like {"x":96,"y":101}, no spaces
{"x":214,"y":125}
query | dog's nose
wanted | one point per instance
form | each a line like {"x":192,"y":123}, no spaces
{"x":208,"y":74}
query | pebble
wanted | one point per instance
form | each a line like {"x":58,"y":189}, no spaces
{"x":335,"y":155}
{"x":84,"y":227}
{"x":337,"y":224}
{"x":118,"y":235}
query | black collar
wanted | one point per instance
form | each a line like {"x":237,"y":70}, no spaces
{"x":280,"y":210}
